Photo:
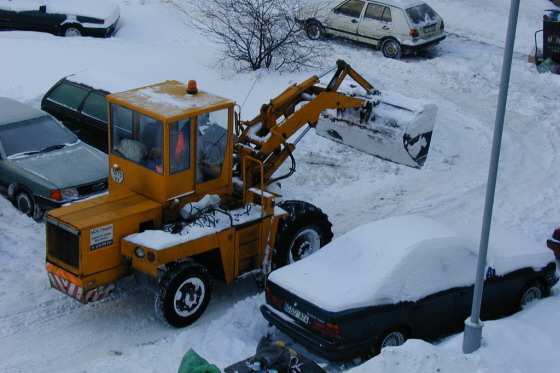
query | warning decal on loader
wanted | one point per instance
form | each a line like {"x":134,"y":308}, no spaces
{"x":101,"y":237}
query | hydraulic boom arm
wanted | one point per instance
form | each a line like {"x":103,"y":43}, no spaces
{"x":265,"y":136}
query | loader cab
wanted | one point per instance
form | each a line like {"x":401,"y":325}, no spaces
{"x":170,"y":145}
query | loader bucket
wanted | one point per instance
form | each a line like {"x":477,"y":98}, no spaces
{"x":391,"y":127}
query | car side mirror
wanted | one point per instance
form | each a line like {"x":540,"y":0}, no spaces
{"x":43,"y":8}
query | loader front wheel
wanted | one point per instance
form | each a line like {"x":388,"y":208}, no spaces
{"x":305,"y":230}
{"x":184,"y":294}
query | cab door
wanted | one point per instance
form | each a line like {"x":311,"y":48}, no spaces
{"x":376,"y":23}
{"x":344,"y":20}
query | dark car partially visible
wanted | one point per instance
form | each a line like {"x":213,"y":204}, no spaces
{"x":80,"y":107}
{"x":398,"y":278}
{"x":97,"y":18}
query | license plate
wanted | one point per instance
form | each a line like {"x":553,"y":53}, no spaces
{"x":296,"y":313}
{"x":429,"y":29}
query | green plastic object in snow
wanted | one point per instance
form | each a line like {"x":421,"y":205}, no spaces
{"x":193,"y":363}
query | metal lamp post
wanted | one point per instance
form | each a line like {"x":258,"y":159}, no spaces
{"x":473,"y":325}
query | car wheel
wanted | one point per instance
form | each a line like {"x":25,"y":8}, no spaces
{"x":25,"y":203}
{"x":530,"y":292}
{"x":305,"y":230}
{"x":71,"y":31}
{"x":315,"y":30}
{"x":184,"y":294}
{"x":391,"y":338}
{"x":391,"y":49}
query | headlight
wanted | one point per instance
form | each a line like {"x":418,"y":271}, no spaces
{"x":139,"y":252}
{"x":69,"y":193}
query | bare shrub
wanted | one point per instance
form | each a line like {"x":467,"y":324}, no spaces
{"x":254,"y":34}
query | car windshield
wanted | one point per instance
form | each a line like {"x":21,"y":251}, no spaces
{"x":421,"y":14}
{"x":41,"y":134}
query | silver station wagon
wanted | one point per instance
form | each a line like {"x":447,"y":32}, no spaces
{"x":394,"y":26}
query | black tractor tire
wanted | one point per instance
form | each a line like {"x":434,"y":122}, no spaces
{"x":184,"y":294}
{"x":24,"y":202}
{"x":391,"y":338}
{"x":391,"y":49}
{"x":305,"y":230}
{"x":532,"y":291}
{"x":71,"y":31}
{"x":314,"y":30}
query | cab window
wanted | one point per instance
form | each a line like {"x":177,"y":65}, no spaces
{"x":137,"y":137}
{"x":352,"y":8}
{"x":179,"y":150}
{"x":211,"y":144}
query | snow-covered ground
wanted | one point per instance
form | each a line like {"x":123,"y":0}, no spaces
{"x":42,"y":330}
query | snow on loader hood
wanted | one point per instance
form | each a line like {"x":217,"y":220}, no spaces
{"x":400,"y":259}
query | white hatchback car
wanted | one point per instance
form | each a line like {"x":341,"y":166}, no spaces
{"x":394,"y":26}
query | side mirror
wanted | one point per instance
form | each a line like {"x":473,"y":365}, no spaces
{"x":43,"y":8}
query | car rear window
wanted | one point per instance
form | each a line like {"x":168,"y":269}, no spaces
{"x":421,"y":14}
{"x":353,"y":8}
{"x":34,"y":135}
{"x":68,"y":95}
{"x":95,"y":106}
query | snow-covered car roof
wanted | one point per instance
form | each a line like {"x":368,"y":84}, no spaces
{"x":98,"y":9}
{"x":110,"y":81}
{"x":400,"y":259}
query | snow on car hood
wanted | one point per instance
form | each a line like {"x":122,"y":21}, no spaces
{"x":399,"y":259}
{"x":71,"y":166}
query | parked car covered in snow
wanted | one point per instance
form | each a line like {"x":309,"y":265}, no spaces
{"x":394,"y":26}
{"x":60,"y":17}
{"x":43,"y":165}
{"x":397,"y":278}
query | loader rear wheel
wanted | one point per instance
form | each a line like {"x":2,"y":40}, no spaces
{"x":304,"y":231}
{"x":184,"y":294}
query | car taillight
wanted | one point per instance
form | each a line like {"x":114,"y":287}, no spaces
{"x":273,"y":300}
{"x":56,"y":194}
{"x":441,"y":27}
{"x":413,"y":33}
{"x":329,"y":329}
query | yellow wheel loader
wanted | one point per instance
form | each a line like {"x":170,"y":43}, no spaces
{"x":189,"y":198}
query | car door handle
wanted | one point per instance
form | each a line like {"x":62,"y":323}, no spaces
{"x":354,"y":21}
{"x":385,"y":27}
{"x":462,"y":293}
